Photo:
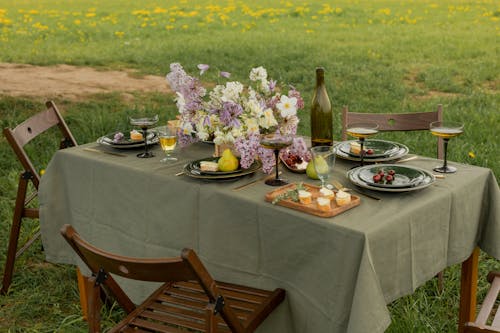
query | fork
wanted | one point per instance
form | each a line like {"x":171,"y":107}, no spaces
{"x":341,"y":187}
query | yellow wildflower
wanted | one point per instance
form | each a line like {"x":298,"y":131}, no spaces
{"x":119,"y":34}
{"x":472,"y":155}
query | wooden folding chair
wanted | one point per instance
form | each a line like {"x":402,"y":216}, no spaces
{"x":188,"y":301}
{"x":414,"y":121}
{"x":482,"y":323}
{"x":18,"y":138}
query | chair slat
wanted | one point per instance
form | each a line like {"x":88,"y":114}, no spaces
{"x":175,"y":309}
{"x":175,"y":320}
{"x":141,"y":323}
{"x":488,"y":303}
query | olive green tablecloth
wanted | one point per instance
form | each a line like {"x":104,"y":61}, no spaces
{"x":339,"y":273}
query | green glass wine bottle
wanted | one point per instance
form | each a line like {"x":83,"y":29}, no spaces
{"x":321,"y":113}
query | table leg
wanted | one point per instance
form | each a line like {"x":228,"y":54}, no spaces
{"x":468,"y":288}
{"x":83,"y":292}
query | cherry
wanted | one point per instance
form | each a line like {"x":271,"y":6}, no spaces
{"x":377,"y":178}
{"x":369,"y":152}
{"x":391,"y":172}
{"x":389,"y":178}
{"x":381,"y":173}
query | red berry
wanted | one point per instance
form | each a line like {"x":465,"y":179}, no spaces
{"x":389,"y":178}
{"x":377,"y":178}
{"x":391,"y":172}
{"x":381,"y":172}
{"x":369,"y":152}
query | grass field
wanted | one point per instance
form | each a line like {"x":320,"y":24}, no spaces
{"x":380,"y":56}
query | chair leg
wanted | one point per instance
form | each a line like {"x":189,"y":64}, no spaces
{"x":468,"y":289}
{"x":210,"y":320}
{"x":82,"y":291}
{"x":440,"y":277}
{"x":14,"y":235}
{"x":93,"y":296}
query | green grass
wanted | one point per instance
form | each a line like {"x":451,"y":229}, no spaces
{"x":380,"y":56}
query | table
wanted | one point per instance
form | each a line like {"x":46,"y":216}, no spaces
{"x":339,"y":273}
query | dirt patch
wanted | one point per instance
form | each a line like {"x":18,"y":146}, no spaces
{"x":74,"y":83}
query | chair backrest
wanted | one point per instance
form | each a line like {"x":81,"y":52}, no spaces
{"x":414,"y":121}
{"x":184,"y":268}
{"x":23,"y":133}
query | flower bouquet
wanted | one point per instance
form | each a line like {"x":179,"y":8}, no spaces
{"x":232,"y":113}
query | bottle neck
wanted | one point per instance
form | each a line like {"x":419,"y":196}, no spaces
{"x":320,"y":77}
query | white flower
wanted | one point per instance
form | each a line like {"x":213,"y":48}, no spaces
{"x":235,"y":133}
{"x":232,"y":92}
{"x":252,"y":125}
{"x":180,"y":102}
{"x":253,"y":107}
{"x":203,"y":135}
{"x":218,"y":136}
{"x":187,"y":128}
{"x":287,"y":106}
{"x":258,"y":74}
{"x":264,"y":86}
{"x":268,"y":120}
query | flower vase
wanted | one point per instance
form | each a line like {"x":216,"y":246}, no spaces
{"x":219,"y":149}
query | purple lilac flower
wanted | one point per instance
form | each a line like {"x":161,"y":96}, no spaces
{"x":271,"y":103}
{"x":295,"y":93}
{"x":203,"y":68}
{"x":272,"y":85}
{"x":225,"y":74}
{"x":206,"y":121}
{"x":190,"y":87}
{"x":267,"y":158}
{"x":229,"y":114}
{"x":289,"y":125}
{"x":247,"y":147}
{"x":185,"y":139}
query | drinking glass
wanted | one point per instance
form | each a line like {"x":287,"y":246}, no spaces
{"x":168,"y":140}
{"x":323,"y":158}
{"x":361,"y":131}
{"x":144,"y":123}
{"x":446,"y":130}
{"x":276,"y":142}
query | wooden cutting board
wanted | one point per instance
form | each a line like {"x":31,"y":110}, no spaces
{"x":311,"y":208}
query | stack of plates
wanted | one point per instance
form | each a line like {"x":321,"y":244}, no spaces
{"x":383,"y":151}
{"x":192,"y":169}
{"x":406,"y":178}
{"x":126,"y":142}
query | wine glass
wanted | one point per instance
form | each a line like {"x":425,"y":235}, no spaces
{"x":144,"y":123}
{"x":276,"y":142}
{"x":361,"y":131}
{"x":323,"y":158}
{"x":446,"y":130}
{"x":168,"y":140}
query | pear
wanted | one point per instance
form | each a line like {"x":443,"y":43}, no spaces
{"x":311,"y":171}
{"x":228,"y":162}
{"x":321,"y":165}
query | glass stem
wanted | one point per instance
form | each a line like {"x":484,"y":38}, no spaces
{"x":445,"y":162}
{"x":145,"y":133}
{"x":362,"y":151}
{"x":276,"y":156}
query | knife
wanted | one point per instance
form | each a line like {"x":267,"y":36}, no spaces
{"x":265,"y":177}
